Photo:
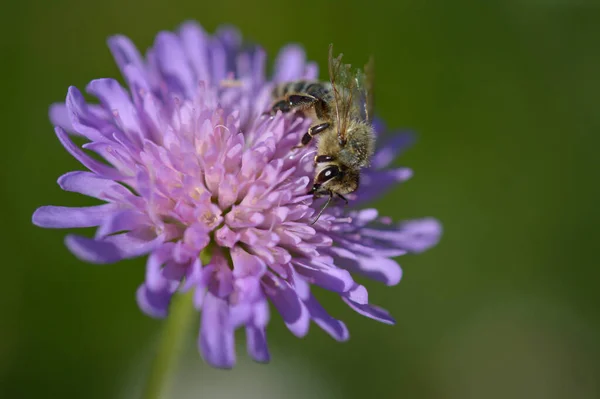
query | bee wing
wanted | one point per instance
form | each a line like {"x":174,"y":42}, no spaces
{"x":367,"y":85}
{"x":343,"y":84}
{"x":335,"y":66}
{"x":363,"y":89}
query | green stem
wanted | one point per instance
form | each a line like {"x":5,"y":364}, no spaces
{"x":177,"y":326}
{"x":172,"y":340}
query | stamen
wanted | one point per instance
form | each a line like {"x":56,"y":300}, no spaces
{"x":224,"y":127}
{"x":231,"y":83}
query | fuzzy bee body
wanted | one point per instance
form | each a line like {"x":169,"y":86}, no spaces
{"x":341,"y":113}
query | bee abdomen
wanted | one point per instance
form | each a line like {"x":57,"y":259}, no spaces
{"x":283,"y":89}
{"x":310,"y":87}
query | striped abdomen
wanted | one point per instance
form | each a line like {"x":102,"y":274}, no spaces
{"x":314,"y":88}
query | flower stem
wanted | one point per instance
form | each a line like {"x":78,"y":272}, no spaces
{"x":177,"y":326}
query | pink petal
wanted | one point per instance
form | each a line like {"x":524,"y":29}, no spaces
{"x":117,"y":100}
{"x":371,"y":311}
{"x":256,"y":344}
{"x":87,"y":161}
{"x":292,"y":309}
{"x":154,"y":303}
{"x":331,"y":326}
{"x":125,"y":52}
{"x":92,"y":185}
{"x":60,"y":217}
{"x":173,"y":64}
{"x":112,"y":249}
{"x":290,"y":64}
{"x":216,"y":340}
{"x":59,"y":116}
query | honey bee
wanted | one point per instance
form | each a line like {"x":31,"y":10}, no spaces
{"x":341,"y":111}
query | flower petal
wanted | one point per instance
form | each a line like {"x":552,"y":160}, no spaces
{"x":327,"y":276}
{"x":81,"y":117}
{"x":292,"y":309}
{"x":110,"y":249}
{"x":124,"y":52}
{"x":331,"y":326}
{"x":155,"y":279}
{"x":61,"y":217}
{"x":173,"y":64}
{"x":87,"y":161}
{"x":371,"y":311}
{"x":194,"y":42}
{"x":154,"y":303}
{"x":246,"y":290}
{"x":375,"y":267}
{"x":245,"y":264}
{"x":225,"y":237}
{"x":413,"y":235}
{"x":92,"y":185}
{"x":216,"y":333}
{"x":147,"y":105}
{"x":261,"y":313}
{"x":221,"y":282}
{"x":197,"y":236}
{"x":116,"y":99}
{"x":59,"y":116}
{"x":290,"y":64}
{"x":230,"y":36}
{"x":193,"y":277}
{"x":390,"y":149}
{"x":256,"y":344}
{"x":374,"y":184}
{"x":358,"y":294}
{"x":311,"y":71}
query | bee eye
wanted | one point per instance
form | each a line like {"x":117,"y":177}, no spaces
{"x":327,"y":174}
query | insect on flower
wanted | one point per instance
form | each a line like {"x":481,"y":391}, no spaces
{"x":341,"y":110}
{"x":189,"y":167}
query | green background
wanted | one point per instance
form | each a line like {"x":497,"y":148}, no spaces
{"x":504,"y":96}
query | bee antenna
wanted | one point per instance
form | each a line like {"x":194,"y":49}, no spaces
{"x":323,"y":209}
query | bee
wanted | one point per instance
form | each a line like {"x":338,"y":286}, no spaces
{"x":341,"y":110}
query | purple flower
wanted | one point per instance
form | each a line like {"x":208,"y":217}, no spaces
{"x":193,"y":165}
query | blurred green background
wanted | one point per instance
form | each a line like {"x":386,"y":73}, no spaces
{"x":504,"y":96}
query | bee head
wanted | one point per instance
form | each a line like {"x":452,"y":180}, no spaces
{"x":335,"y":179}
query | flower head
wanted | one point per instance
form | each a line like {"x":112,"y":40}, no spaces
{"x":192,"y":165}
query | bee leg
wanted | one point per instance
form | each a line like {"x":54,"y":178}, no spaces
{"x":293,"y":102}
{"x":312,"y":131}
{"x":300,"y":101}
{"x":344,"y":198}
{"x":282,"y":106}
